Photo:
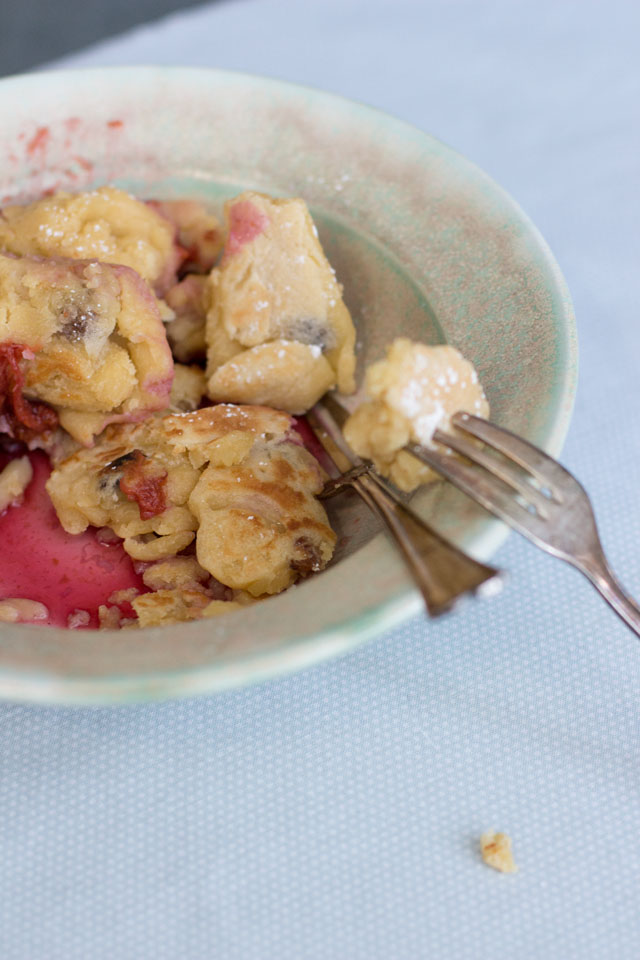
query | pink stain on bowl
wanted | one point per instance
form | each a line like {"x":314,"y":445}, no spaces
{"x":39,"y":141}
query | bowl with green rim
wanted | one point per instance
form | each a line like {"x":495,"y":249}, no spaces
{"x":425,"y":244}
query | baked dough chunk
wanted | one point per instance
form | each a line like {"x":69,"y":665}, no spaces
{"x":413,"y":392}
{"x":199,"y":232}
{"x":234,"y":478}
{"x":106,"y":224}
{"x":164,"y":607}
{"x":83,"y":337}
{"x":182,"y":590}
{"x":188,"y":301}
{"x":187,"y":391}
{"x":277,"y":311}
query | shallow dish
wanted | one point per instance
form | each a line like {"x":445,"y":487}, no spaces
{"x":425,"y":244}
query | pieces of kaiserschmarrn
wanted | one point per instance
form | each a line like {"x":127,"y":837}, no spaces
{"x":278,"y":331}
{"x":106,"y":224}
{"x":233,"y":480}
{"x":82,"y":343}
{"x":412,"y":392}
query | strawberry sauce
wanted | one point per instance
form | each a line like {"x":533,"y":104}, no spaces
{"x":66,"y":572}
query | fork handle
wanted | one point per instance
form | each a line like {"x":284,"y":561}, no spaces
{"x":441,"y":571}
{"x":598,"y":571}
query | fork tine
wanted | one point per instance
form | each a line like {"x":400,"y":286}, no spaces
{"x":487,"y":490}
{"x":546,"y":470}
{"x":504,"y":470}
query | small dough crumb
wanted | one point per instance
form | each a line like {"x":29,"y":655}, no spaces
{"x":109,"y":617}
{"x":21,"y":610}
{"x":78,"y":619}
{"x":496,"y":851}
{"x":124,"y":596}
{"x":14,"y":480}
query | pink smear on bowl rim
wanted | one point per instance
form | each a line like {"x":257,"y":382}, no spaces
{"x":66,"y":572}
{"x":39,"y":141}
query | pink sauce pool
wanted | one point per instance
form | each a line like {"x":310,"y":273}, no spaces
{"x":66,"y":572}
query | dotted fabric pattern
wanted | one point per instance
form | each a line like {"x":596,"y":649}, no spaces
{"x":336,"y":813}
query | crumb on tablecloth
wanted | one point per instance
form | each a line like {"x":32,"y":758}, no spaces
{"x":496,"y":851}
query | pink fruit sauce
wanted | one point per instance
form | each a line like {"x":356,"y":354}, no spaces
{"x":66,"y":572}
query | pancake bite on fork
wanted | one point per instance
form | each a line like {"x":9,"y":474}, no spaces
{"x":415,"y":390}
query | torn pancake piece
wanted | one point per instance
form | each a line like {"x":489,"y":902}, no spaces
{"x":285,"y":373}
{"x":234,"y":478}
{"x":275,"y":285}
{"x":83,"y":338}
{"x":106,"y":224}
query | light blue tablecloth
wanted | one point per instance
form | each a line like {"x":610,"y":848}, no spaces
{"x":335,"y":813}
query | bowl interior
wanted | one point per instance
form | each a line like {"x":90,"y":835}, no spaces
{"x":425,"y":245}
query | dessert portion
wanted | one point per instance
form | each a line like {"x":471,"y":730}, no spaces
{"x":278,"y":331}
{"x":81,"y":343}
{"x":412,"y":392}
{"x":106,"y":224}
{"x":233,"y":484}
{"x":169,"y":510}
{"x":110,"y":308}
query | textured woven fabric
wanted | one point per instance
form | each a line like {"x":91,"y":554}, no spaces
{"x":336,"y":813}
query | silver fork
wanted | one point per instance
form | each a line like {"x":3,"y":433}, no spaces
{"x":533,"y":494}
{"x":441,"y":571}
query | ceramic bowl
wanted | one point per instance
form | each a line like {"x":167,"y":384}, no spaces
{"x":425,"y":244}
